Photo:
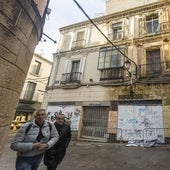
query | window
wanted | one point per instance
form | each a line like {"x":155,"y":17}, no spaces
{"x":29,"y":92}
{"x":80,"y":35}
{"x":80,"y":42}
{"x":110,"y":58}
{"x":153,"y":62}
{"x":75,"y":70}
{"x":117,"y":31}
{"x":36,"y":67}
{"x":111,"y":63}
{"x":152,"y":24}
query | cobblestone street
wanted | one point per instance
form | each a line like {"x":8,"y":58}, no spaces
{"x":101,"y":156}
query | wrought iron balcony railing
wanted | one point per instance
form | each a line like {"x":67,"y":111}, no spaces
{"x":159,"y":28}
{"x":116,"y":36}
{"x":78,"y":44}
{"x":154,"y":69}
{"x":71,"y":77}
{"x":112,"y":74}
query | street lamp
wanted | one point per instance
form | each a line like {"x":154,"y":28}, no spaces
{"x":127,"y":64}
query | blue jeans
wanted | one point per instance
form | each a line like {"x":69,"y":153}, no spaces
{"x":28,"y":163}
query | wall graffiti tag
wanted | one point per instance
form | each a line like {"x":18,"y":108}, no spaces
{"x":72,"y":114}
{"x":132,"y":119}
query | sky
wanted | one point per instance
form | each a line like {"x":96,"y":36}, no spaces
{"x":64,"y":13}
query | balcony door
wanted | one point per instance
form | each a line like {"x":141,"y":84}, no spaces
{"x":153,"y":62}
{"x":152,"y":24}
{"x":75,"y":70}
{"x":80,"y":39}
{"x":117,"y":31}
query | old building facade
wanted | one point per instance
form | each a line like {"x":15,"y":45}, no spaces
{"x":115,"y":86}
{"x":21,"y":28}
{"x":32,"y":93}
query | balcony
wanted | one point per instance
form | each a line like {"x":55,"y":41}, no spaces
{"x":112,"y":74}
{"x":160,"y":28}
{"x":73,"y":77}
{"x":78,"y":44}
{"x":116,"y":36}
{"x":155,"y":72}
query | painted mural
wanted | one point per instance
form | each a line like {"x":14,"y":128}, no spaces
{"x":133,"y":119}
{"x":72,"y":114}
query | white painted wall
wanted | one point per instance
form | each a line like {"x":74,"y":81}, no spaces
{"x":72,"y":113}
{"x":41,"y":79}
{"x":132,"y":119}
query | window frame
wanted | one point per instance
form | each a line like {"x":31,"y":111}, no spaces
{"x":30,"y":91}
{"x":152,"y":24}
{"x":153,"y":61}
{"x":36,"y":67}
{"x":75,"y":70}
{"x":117,"y":31}
{"x":113,"y":61}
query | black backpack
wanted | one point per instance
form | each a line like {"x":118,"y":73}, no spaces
{"x":29,"y":127}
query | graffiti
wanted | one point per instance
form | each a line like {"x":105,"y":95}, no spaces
{"x":142,"y":109}
{"x":146,"y":122}
{"x":72,"y":114}
{"x":51,"y":116}
{"x":133,"y":119}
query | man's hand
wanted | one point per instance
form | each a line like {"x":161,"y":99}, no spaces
{"x":43,"y":146}
{"x":40,"y":146}
{"x":36,"y":145}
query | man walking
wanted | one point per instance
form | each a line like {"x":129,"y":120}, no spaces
{"x":54,"y":156}
{"x":31,"y":141}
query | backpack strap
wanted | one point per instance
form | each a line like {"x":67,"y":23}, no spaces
{"x":50,"y":126}
{"x":28,"y":128}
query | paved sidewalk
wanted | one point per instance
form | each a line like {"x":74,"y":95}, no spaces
{"x":101,"y":156}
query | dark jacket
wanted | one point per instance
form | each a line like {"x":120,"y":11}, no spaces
{"x":64,"y":132}
{"x":55,"y":155}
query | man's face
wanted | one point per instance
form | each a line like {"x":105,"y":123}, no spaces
{"x":39,"y":117}
{"x":60,"y":119}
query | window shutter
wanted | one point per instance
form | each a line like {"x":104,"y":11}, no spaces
{"x":82,"y":65}
{"x":136,"y":27}
{"x":66,"y":42}
{"x":66,"y":66}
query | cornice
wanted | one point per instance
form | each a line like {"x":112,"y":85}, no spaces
{"x":115,"y":16}
{"x":83,"y":51}
{"x":150,"y":39}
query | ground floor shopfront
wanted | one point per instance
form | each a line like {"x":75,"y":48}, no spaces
{"x":100,"y":123}
{"x":106,"y":113}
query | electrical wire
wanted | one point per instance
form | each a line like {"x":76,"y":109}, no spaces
{"x":103,"y":33}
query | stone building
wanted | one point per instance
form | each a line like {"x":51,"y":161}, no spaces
{"x":20,"y":30}
{"x":118,"y":85}
{"x":33,"y":90}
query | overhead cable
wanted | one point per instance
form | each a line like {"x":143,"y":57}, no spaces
{"x":103,"y":33}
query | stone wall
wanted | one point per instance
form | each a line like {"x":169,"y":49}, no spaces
{"x":20,"y":31}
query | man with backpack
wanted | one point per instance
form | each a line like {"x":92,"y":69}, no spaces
{"x":54,"y":156}
{"x":32,"y":140}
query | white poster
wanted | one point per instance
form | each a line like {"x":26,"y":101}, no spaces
{"x":133,"y":119}
{"x":72,"y":113}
